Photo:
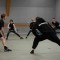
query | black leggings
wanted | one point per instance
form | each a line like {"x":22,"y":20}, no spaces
{"x":13,"y":32}
{"x":51,"y":37}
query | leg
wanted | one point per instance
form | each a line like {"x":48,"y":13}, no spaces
{"x":55,"y":39}
{"x":2,"y":30}
{"x":8,"y":34}
{"x":35,"y":44}
{"x":36,"y":41}
{"x":4,"y":43}
{"x":17,"y":34}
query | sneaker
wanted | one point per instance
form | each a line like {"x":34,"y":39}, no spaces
{"x":32,"y":52}
{"x":6,"y":49}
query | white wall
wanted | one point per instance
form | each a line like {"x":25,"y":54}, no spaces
{"x":2,"y":6}
{"x":58,"y":10}
{"x":24,"y":14}
{"x":23,"y":10}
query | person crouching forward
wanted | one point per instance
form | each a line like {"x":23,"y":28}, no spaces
{"x":47,"y":32}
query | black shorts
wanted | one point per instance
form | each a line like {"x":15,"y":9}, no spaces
{"x":0,"y":35}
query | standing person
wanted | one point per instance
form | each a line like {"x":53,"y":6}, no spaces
{"x":47,"y":33}
{"x":12,"y":28}
{"x":2,"y":24}
{"x":2,"y":36}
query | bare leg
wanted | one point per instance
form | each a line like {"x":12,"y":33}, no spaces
{"x":4,"y":44}
{"x":3,"y":41}
{"x":2,"y":30}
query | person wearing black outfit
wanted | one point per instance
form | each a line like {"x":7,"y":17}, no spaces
{"x":2,"y":34}
{"x":31,"y":25}
{"x":47,"y":33}
{"x":11,"y":27}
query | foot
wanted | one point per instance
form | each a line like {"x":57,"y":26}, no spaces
{"x":26,"y":37}
{"x":21,"y":37}
{"x":7,"y":49}
{"x":32,"y":52}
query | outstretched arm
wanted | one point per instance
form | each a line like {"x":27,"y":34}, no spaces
{"x":14,"y":27}
{"x":29,"y":33}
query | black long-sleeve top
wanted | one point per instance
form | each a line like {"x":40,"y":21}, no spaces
{"x":44,"y":29}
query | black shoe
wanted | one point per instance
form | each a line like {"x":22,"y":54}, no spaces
{"x":32,"y":52}
{"x":26,"y":37}
{"x":21,"y":37}
{"x":6,"y":49}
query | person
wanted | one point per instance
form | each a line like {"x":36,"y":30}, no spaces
{"x":2,"y":36}
{"x":55,"y":24}
{"x":12,"y":28}
{"x":47,"y":32}
{"x":2,"y":24}
{"x":31,"y":24}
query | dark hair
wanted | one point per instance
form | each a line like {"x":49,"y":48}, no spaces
{"x":11,"y":20}
{"x":53,"y":18}
{"x":3,"y":15}
{"x":39,"y":20}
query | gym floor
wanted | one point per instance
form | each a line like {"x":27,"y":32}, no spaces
{"x":21,"y":48}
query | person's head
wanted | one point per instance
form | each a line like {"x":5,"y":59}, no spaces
{"x":3,"y":16}
{"x":11,"y":21}
{"x":33,"y":19}
{"x":39,"y":20}
{"x":53,"y":19}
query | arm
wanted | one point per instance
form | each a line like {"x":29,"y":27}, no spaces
{"x":14,"y":27}
{"x":8,"y":26}
{"x":29,"y":33}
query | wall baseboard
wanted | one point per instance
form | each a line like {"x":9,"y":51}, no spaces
{"x":19,"y":24}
